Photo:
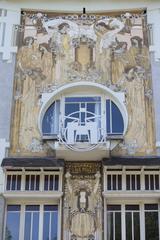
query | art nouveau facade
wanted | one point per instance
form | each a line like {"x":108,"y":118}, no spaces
{"x":79,"y":120}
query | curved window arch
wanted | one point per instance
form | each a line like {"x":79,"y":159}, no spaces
{"x":114,"y":119}
{"x":50,"y":122}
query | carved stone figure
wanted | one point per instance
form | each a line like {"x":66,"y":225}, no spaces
{"x":83,"y":199}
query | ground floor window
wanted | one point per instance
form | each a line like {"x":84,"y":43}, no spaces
{"x":133,"y":222}
{"x":13,"y":222}
{"x":132,"y":216}
{"x":151,"y":222}
{"x":31,"y":231}
{"x":50,"y":222}
{"x":114,"y":222}
{"x":31,"y":222}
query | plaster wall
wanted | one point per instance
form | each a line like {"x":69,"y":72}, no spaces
{"x":156,"y":97}
{"x":6,"y":89}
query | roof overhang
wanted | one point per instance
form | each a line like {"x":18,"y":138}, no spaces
{"x":32,"y":162}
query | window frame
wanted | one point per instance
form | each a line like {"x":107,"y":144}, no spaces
{"x":41,"y":173}
{"x":123,"y":203}
{"x":41,"y":205}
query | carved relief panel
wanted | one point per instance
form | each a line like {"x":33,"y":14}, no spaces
{"x":82,"y":211}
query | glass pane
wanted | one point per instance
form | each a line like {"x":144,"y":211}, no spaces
{"x":50,"y":208}
{"x":71,"y":108}
{"x":27,"y":182}
{"x":56,"y":182}
{"x":128,"y":182}
{"x":32,"y":207}
{"x":114,"y":181}
{"x":12,"y":226}
{"x":35,"y":226}
{"x":82,"y":99}
{"x":18,"y":182}
{"x":113,"y":207}
{"x":151,"y":206}
{"x":110,"y":226}
{"x":8,"y":182}
{"x":117,"y":226}
{"x":46,"y":182}
{"x":37,"y":182}
{"x":151,"y":182}
{"x":51,"y":183}
{"x":132,"y":207}
{"x":129,"y":226}
{"x":146,"y":182}
{"x":117,"y":120}
{"x":32,"y":182}
{"x":136,"y":226}
{"x":108,"y":116}
{"x":13,"y":187}
{"x":14,"y":208}
{"x":27,"y":229}
{"x":108,"y":182}
{"x":54,"y":224}
{"x":91,"y":107}
{"x":133,"y":182}
{"x":151,"y":226}
{"x":138,"y":182}
{"x":119,"y":182}
{"x":50,"y":123}
{"x":157,"y":182}
{"x":46,"y":226}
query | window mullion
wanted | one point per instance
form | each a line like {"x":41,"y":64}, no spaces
{"x":142,"y":180}
{"x":114,"y":228}
{"x":31,"y":230}
{"x":142,"y":222}
{"x":123,"y":220}
{"x":23,"y":179}
{"x":41,"y":222}
{"x":41,"y":182}
{"x":132,"y":219}
{"x":22,"y":222}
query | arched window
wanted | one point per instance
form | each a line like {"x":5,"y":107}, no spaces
{"x":50,"y":123}
{"x":82,"y":115}
{"x":114,"y":119}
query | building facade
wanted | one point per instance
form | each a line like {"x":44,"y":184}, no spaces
{"x":79,"y":120}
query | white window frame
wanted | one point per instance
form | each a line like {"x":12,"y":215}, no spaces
{"x":124,"y":202}
{"x":41,"y":173}
{"x":142,"y":171}
{"x":41,"y":204}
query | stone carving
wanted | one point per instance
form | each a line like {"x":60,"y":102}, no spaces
{"x":83,"y":206}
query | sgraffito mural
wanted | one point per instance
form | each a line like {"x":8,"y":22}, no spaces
{"x":56,"y":49}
